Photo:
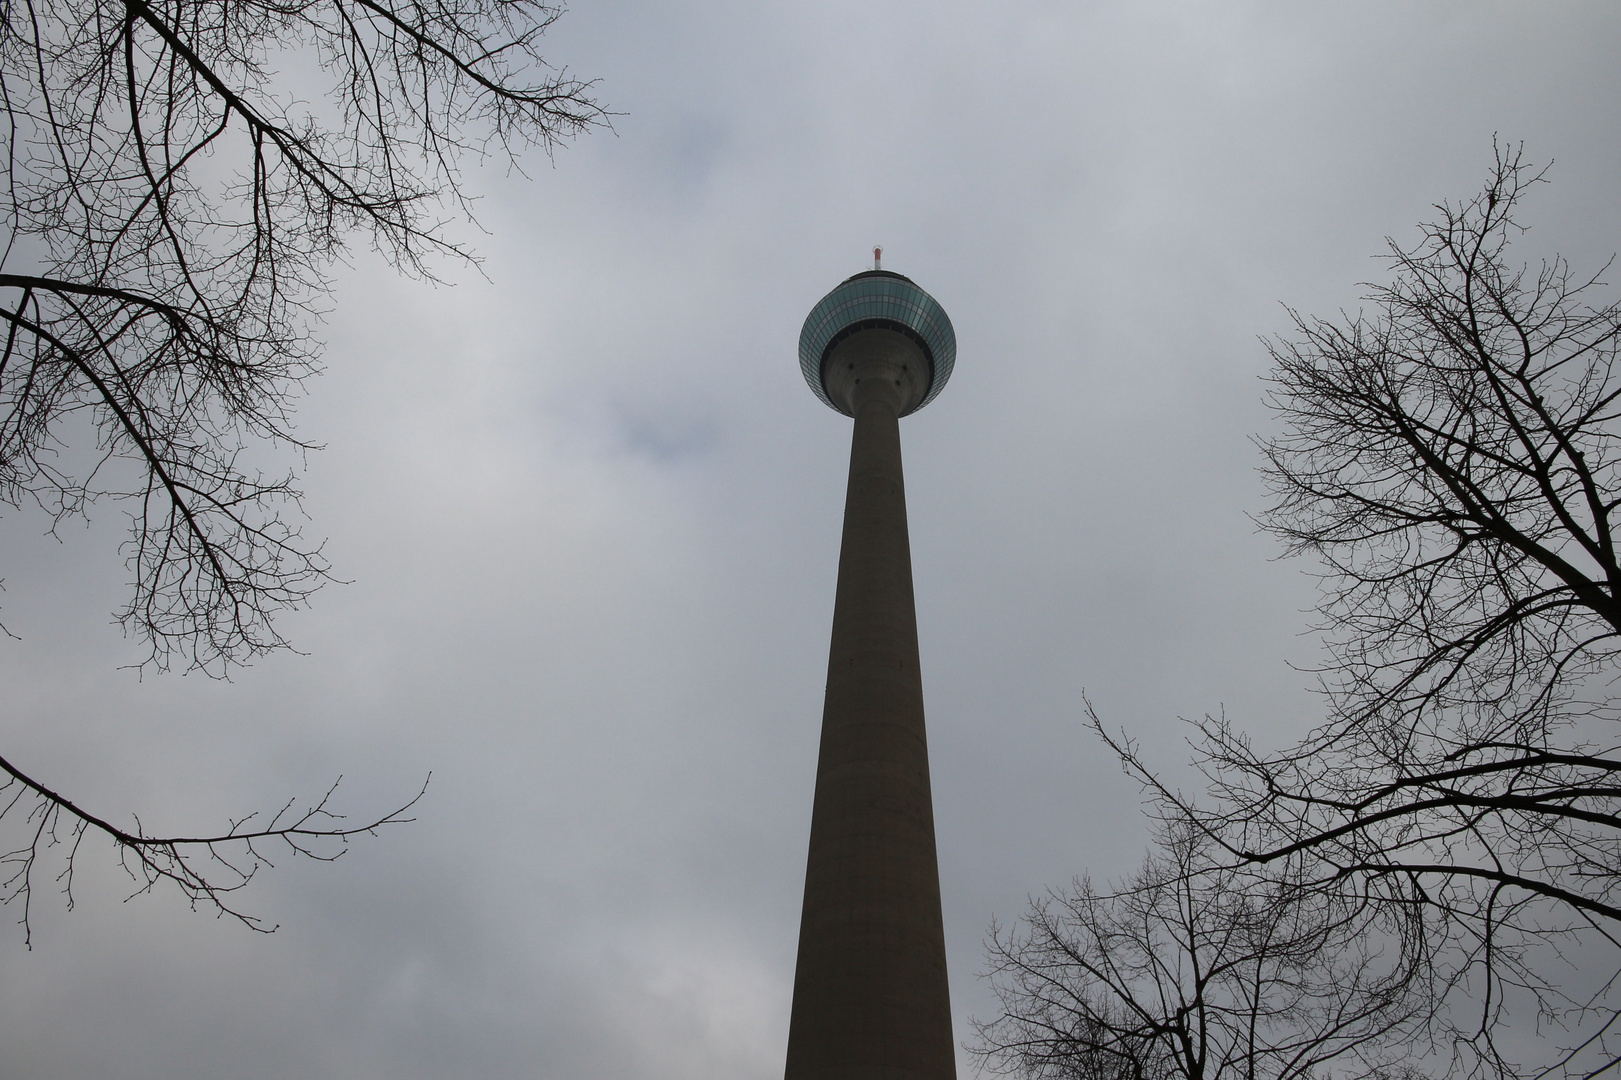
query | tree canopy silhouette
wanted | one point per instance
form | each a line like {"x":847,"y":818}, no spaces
{"x":1451,"y":460}
{"x":1196,"y":970}
{"x":173,"y":207}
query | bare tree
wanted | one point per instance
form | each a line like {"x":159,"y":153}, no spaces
{"x":1450,"y":459}
{"x":172,"y":211}
{"x":1196,"y":970}
{"x":206,"y":869}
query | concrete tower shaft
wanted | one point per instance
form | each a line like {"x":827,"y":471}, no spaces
{"x":870,"y":994}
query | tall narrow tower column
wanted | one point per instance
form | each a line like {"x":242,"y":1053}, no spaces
{"x":870,"y":993}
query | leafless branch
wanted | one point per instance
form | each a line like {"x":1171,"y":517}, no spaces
{"x":1197,"y":970}
{"x":172,"y":209}
{"x":171,"y":217}
{"x":207,"y":869}
{"x":1449,"y":460}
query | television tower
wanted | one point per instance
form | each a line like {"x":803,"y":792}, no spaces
{"x":870,"y":994}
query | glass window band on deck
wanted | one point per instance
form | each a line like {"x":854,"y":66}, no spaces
{"x":878,"y":298}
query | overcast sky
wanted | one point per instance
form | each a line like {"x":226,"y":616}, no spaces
{"x":590,"y":514}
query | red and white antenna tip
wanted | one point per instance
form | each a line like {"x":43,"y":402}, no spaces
{"x":877,"y":258}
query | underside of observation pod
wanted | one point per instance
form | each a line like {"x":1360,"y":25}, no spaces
{"x":877,"y":324}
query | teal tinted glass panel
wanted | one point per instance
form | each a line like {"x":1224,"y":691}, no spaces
{"x":882,"y":297}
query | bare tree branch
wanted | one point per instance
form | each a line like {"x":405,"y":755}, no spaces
{"x":171,"y":218}
{"x":1196,"y":970}
{"x":1451,"y":460}
{"x":172,"y":209}
{"x":206,"y":869}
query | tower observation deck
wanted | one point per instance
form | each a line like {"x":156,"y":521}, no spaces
{"x":870,"y":994}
